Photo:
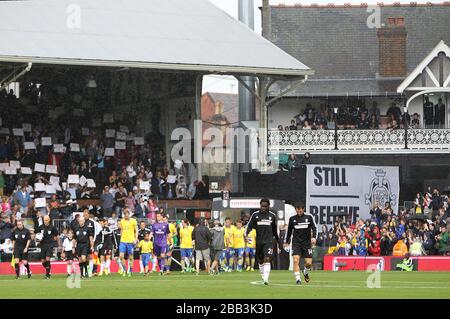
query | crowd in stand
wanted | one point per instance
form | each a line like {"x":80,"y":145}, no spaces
{"x":422,"y":230}
{"x":40,"y":151}
{"x":361,"y":117}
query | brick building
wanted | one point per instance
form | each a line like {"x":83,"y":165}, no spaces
{"x":360,"y":54}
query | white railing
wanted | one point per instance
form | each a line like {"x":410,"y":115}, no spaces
{"x":358,"y":140}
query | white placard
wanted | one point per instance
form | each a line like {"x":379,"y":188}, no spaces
{"x":73,"y":179}
{"x":39,"y":168}
{"x":58,"y":148}
{"x":39,"y":187}
{"x":349,"y":189}
{"x":74,"y":147}
{"x":144,"y":185}
{"x":54,"y":180}
{"x":138,"y":141}
{"x":132,"y":174}
{"x":109,"y":151}
{"x":85,"y":131}
{"x":110,"y":133}
{"x":29,"y":145}
{"x":64,"y":186}
{"x":40,"y":202}
{"x":50,"y":189}
{"x":121,"y":136}
{"x":26,"y":171}
{"x":10,"y":171}
{"x":90,"y":183}
{"x":83,"y":180}
{"x":57,"y":187}
{"x":26,"y":127}
{"x":120,"y":145}
{"x":108,"y":118}
{"x":4,"y":131}
{"x":14,"y":164}
{"x":51,"y":169}
{"x":4,"y":166}
{"x":123,"y":128}
{"x":18,"y":131}
{"x":171,"y":179}
{"x":46,"y":141}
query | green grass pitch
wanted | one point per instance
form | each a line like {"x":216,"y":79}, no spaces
{"x":403,"y":285}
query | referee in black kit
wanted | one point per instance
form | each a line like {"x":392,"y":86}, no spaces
{"x":84,"y":237}
{"x":265,"y":223}
{"x":48,"y":242}
{"x":301,"y":228}
{"x":21,"y":240}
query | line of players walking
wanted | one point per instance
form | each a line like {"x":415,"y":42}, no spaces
{"x":231,"y":247}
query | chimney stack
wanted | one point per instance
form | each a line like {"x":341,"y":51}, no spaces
{"x":392,"y":48}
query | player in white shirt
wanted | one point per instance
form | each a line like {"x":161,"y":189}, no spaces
{"x":69,"y":252}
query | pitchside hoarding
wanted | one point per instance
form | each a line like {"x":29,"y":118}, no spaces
{"x":349,"y":189}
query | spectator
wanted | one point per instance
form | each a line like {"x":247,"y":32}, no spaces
{"x":130,"y":203}
{"x":373,"y":236}
{"x":5,"y":229}
{"x":428,"y":115}
{"x":120,"y":197}
{"x":181,"y":188}
{"x":415,"y":123}
{"x":107,"y":202}
{"x":23,"y":198}
{"x":400,"y":248}
{"x":442,"y":239}
{"x":293,"y":126}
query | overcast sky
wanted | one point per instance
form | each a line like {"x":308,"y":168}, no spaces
{"x":228,"y":85}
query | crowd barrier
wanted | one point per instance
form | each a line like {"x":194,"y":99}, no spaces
{"x":384,"y":263}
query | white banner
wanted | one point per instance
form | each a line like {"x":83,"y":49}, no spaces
{"x":349,"y":189}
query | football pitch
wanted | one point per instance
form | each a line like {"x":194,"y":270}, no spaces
{"x":403,"y":285}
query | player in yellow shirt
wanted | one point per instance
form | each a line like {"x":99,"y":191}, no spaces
{"x":128,"y":238}
{"x":228,"y":254}
{"x":146,"y":247}
{"x":239,"y":245}
{"x":170,"y":243}
{"x":250,"y":250}
{"x":186,"y":246}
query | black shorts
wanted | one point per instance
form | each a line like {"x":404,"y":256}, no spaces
{"x":105,"y":251}
{"x":301,"y":250}
{"x":264,"y":250}
{"x":69,"y":255}
{"x":18,"y":253}
{"x":83,"y":249}
{"x":46,"y":251}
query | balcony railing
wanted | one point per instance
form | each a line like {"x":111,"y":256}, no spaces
{"x":358,"y":140}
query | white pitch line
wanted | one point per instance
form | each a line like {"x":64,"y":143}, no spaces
{"x":320,"y":286}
